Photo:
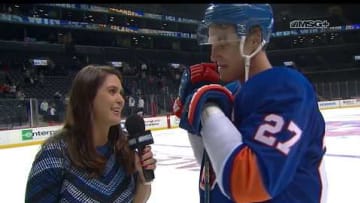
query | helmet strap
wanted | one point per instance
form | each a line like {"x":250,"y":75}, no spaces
{"x":247,"y":58}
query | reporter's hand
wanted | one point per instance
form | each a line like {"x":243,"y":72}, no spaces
{"x":145,"y":159}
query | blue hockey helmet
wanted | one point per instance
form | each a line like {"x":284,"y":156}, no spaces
{"x":243,"y":16}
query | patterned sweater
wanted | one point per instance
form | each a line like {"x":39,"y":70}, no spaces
{"x":51,"y":179}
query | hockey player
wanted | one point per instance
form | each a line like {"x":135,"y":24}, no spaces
{"x":265,"y":139}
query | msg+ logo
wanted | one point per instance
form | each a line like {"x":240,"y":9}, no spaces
{"x":309,"y":24}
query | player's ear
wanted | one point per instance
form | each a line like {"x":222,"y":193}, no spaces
{"x":254,"y":38}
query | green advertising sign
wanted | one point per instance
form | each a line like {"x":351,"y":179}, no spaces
{"x":27,"y":134}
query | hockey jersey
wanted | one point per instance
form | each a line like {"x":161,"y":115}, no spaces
{"x":281,"y":158}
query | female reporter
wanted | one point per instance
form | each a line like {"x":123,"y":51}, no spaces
{"x":89,"y":159}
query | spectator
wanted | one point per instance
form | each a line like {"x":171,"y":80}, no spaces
{"x":20,"y":94}
{"x":57,"y":95}
{"x":12,"y":89}
{"x":131,"y":100}
{"x":140,"y":106}
{"x":41,"y":79}
{"x":52,"y":113}
{"x":44,"y":106}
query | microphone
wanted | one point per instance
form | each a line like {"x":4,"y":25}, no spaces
{"x":139,"y":138}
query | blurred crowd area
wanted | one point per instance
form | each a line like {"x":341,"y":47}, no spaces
{"x":28,"y":92}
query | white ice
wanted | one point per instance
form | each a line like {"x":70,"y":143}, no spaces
{"x":176,"y":176}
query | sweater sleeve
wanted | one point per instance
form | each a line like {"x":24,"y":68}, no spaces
{"x":46,"y":175}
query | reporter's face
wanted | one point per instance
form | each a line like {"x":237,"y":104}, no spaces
{"x":225,"y":52}
{"x":109,"y":102}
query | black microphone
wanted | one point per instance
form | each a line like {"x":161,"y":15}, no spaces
{"x":138,"y":139}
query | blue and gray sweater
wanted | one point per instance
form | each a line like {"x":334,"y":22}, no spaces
{"x":52,"y":179}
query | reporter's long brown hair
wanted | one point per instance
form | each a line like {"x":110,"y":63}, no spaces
{"x":78,"y":124}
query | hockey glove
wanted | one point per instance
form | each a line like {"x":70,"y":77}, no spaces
{"x":192,"y":78}
{"x":215,"y":93}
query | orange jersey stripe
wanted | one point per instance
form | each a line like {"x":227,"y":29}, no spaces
{"x":246,"y":182}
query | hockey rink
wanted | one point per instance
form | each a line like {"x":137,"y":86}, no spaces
{"x":176,"y":175}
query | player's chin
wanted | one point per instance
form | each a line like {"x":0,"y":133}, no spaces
{"x":225,"y":77}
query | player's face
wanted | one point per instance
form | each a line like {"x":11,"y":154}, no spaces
{"x":108,"y":102}
{"x":225,"y":52}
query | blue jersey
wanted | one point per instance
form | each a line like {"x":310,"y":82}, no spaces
{"x":280,"y":160}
